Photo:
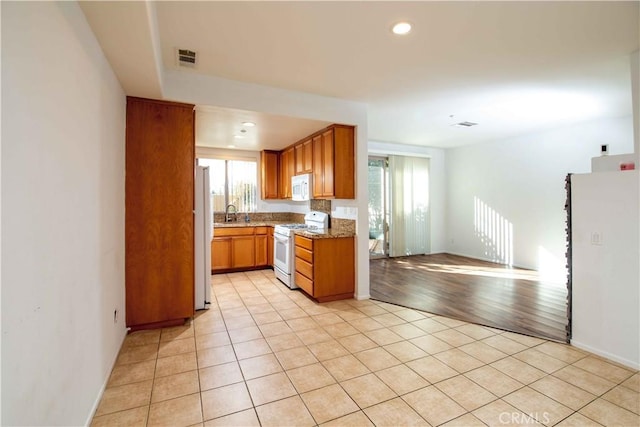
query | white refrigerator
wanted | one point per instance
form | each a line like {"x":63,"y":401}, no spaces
{"x":203,"y":234}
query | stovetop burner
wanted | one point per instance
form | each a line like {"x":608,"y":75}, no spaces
{"x":287,"y":229}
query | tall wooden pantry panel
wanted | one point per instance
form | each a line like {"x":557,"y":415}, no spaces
{"x":159,"y":267}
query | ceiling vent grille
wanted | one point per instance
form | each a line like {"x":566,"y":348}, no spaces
{"x":465,"y":124}
{"x":186,"y":58}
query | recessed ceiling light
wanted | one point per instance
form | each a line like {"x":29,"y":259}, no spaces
{"x":231,"y":146}
{"x":238,"y":136}
{"x":401,"y":28}
{"x":248,"y":124}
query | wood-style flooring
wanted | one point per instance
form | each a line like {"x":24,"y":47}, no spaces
{"x":474,"y":291}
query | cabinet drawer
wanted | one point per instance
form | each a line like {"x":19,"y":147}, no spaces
{"x":304,"y":254}
{"x":233,"y":231}
{"x":304,"y":242}
{"x":261,"y":230}
{"x":304,"y":267}
{"x":305,"y":283}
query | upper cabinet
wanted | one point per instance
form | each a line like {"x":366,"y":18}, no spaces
{"x":287,"y":170}
{"x":269,"y":174}
{"x":334,"y":163}
{"x":328,"y":154}
{"x":304,"y":157}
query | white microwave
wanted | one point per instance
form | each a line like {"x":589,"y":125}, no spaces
{"x":301,"y":187}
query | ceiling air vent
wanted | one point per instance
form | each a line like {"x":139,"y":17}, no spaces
{"x":464,"y":124}
{"x":186,"y":58}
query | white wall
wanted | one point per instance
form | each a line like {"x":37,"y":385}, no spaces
{"x":521,"y":180}
{"x":63,"y":117}
{"x":205,"y":90}
{"x":635,"y":100}
{"x":437,"y":185}
{"x":606,"y":294}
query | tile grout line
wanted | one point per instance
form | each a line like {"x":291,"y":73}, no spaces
{"x":332,"y":376}
{"x":153,"y":380}
{"x":243,"y":295}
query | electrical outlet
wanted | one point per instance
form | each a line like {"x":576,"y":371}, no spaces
{"x":596,"y":238}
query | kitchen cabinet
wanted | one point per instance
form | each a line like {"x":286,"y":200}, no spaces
{"x":334,"y":163}
{"x":287,"y":170}
{"x":159,"y":191}
{"x":261,"y":247}
{"x":303,"y":157}
{"x":318,"y":167}
{"x":329,"y":155}
{"x":221,"y":253}
{"x":243,"y":252}
{"x":269,"y":174}
{"x":239,"y":248}
{"x":325,"y":267}
{"x":270,"y":246}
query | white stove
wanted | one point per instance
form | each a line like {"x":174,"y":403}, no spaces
{"x":284,"y":247}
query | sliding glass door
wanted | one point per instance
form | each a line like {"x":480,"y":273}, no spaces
{"x":378,"y":207}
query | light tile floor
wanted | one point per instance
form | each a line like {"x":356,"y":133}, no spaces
{"x":265,"y":355}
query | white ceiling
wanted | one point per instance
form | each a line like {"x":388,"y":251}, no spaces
{"x":512,"y":67}
{"x":223,"y":128}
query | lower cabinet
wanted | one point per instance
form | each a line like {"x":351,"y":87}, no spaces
{"x":221,"y":253}
{"x":239,"y":248}
{"x":270,"y":246}
{"x":261,"y":247}
{"x":325,"y":267}
{"x":243,"y":252}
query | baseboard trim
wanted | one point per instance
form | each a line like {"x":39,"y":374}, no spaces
{"x":106,"y":381}
{"x":623,"y":361}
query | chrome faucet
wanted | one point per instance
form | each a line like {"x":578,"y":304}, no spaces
{"x":230,"y":213}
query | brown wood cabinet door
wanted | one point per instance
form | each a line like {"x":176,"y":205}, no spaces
{"x":270,"y":248}
{"x":337,"y":277}
{"x":303,"y":157}
{"x":291,"y":167}
{"x":261,"y":250}
{"x":243,"y":252}
{"x":344,"y":184}
{"x":307,"y":154}
{"x":299,"y":159}
{"x":327,"y":163}
{"x":221,"y":253}
{"x":287,"y":170}
{"x":159,"y":188}
{"x":269,"y":174}
{"x":318,"y":171}
{"x":284,"y":184}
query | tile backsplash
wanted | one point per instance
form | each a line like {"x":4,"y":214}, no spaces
{"x":347,"y":225}
{"x":320,"y":205}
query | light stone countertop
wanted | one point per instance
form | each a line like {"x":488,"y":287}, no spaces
{"x":329,"y":234}
{"x":248,"y":224}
